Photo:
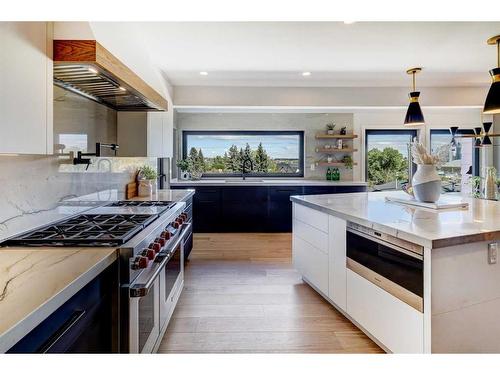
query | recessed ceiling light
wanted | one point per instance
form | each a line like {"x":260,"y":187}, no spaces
{"x":349,"y":22}
{"x":306,"y":74}
{"x":203,"y":73}
{"x":93,"y":70}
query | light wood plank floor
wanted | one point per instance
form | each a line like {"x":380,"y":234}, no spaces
{"x":242,"y":295}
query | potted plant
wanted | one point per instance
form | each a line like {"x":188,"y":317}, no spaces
{"x":343,"y":130}
{"x":183,"y":165}
{"x":475,"y":186}
{"x":147,"y":178}
{"x":347,"y":160}
{"x":329,"y":128}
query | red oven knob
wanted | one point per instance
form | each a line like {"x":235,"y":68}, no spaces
{"x":180,"y":220}
{"x":148,"y":253}
{"x":184,"y":216}
{"x":156,"y":247}
{"x":140,"y":262}
{"x":175,"y":224}
{"x":161,"y":241}
{"x":166,"y":234}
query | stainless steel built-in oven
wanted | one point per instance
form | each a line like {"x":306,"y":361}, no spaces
{"x":392,"y":264}
{"x":171,"y":280}
{"x":149,"y":308}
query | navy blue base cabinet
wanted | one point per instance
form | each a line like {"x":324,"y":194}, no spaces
{"x":86,"y":323}
{"x":250,"y":208}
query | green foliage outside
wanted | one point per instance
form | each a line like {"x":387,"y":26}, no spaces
{"x":386,"y":165}
{"x":232,"y":160}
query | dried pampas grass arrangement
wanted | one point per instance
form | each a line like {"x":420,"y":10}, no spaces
{"x":421,"y":156}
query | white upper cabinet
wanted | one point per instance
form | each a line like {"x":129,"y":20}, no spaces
{"x":144,"y":134}
{"x":26,"y":88}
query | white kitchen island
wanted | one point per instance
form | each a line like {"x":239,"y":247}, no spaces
{"x":415,"y":280}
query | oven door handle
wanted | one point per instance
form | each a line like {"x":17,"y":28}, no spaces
{"x":142,"y":289}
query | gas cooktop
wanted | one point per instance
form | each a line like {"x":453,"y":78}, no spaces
{"x":86,"y":230}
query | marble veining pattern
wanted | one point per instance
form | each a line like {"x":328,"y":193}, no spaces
{"x":35,"y":190}
{"x":420,"y":225}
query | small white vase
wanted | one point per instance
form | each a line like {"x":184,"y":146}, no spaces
{"x":426,"y":183}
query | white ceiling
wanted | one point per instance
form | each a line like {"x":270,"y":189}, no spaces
{"x":337,"y":54}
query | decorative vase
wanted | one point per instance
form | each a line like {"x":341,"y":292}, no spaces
{"x":490,"y":184}
{"x":145,"y":188}
{"x":196,"y":175}
{"x":184,"y":175}
{"x":426,"y":183}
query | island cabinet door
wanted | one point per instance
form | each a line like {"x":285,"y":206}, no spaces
{"x":398,"y":326}
{"x":337,"y":261}
{"x":310,"y":246}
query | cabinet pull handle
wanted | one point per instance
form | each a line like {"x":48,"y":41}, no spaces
{"x":65,"y":328}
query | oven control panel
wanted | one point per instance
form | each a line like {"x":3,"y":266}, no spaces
{"x":160,"y":243}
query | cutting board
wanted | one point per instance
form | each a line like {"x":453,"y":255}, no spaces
{"x":131,"y":190}
{"x":444,"y":202}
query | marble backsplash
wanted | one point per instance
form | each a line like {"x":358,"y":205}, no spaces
{"x":35,"y":190}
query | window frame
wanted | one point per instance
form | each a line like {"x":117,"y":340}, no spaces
{"x":299,"y":133}
{"x":389,"y":131}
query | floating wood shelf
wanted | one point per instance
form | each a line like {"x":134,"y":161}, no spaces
{"x":334,"y":150}
{"x":335,"y":164}
{"x":335,"y":136}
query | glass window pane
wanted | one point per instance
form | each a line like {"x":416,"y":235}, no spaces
{"x":264,"y":153}
{"x":387,"y":158}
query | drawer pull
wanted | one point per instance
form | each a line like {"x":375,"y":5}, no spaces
{"x":74,"y":318}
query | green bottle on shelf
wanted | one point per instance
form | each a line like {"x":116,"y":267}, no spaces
{"x":328,"y":174}
{"x":336,"y":174}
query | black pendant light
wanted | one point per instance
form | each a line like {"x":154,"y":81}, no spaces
{"x":477,"y":132}
{"x":486,"y":140}
{"x":414,"y":115}
{"x":492,"y":103}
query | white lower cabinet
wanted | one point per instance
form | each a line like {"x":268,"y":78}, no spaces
{"x":319,"y":254}
{"x":312,"y":263}
{"x":398,"y":326}
{"x":337,"y":261}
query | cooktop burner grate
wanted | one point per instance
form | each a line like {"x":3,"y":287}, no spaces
{"x":86,"y":230}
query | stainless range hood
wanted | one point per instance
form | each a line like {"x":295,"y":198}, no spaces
{"x":87,"y":68}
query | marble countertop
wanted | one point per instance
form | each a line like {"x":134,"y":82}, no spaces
{"x":252,"y":181}
{"x":34,"y":282}
{"x":427,"y":227}
{"x":76,"y":205}
{"x":175,"y":195}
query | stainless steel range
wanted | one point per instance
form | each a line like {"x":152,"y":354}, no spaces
{"x":149,"y":236}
